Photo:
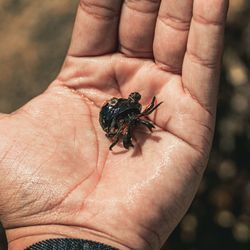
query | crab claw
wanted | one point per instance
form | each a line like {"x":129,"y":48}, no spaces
{"x":127,"y":141}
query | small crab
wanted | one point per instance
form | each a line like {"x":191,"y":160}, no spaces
{"x":119,"y":116}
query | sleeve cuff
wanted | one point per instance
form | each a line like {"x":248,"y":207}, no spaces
{"x":69,"y":244}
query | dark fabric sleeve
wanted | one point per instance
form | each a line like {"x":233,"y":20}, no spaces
{"x":69,"y":244}
{"x":3,"y":238}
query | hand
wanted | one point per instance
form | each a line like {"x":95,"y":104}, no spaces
{"x":59,"y":177}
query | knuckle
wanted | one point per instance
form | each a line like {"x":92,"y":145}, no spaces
{"x":206,"y":62}
{"x":175,"y":22}
{"x":99,"y":9}
{"x":144,"y":6}
{"x":207,"y":21}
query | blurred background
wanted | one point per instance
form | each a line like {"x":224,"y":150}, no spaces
{"x":34,"y":36}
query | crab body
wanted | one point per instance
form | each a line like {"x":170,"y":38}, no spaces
{"x":119,"y":116}
{"x":116,"y":110}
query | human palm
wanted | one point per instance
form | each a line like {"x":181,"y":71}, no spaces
{"x":55,"y":159}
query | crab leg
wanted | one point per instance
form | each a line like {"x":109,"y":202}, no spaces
{"x":148,"y":124}
{"x":117,"y":136}
{"x":150,"y":109}
{"x":127,"y":139}
{"x":110,"y":133}
{"x":150,"y":106}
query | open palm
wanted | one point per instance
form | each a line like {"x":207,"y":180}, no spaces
{"x":59,"y":175}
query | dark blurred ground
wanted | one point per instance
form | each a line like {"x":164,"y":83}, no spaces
{"x":34,"y":36}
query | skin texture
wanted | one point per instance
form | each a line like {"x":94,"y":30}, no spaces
{"x":58,"y":177}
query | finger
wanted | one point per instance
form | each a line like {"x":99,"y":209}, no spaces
{"x":171,"y":33}
{"x":137,"y":27}
{"x":96,"y":28}
{"x":202,"y":59}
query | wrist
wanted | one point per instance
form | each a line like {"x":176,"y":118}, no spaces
{"x":21,"y":238}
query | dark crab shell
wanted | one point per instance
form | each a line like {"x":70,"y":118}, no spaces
{"x":119,"y":117}
{"x":117,"y":108}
